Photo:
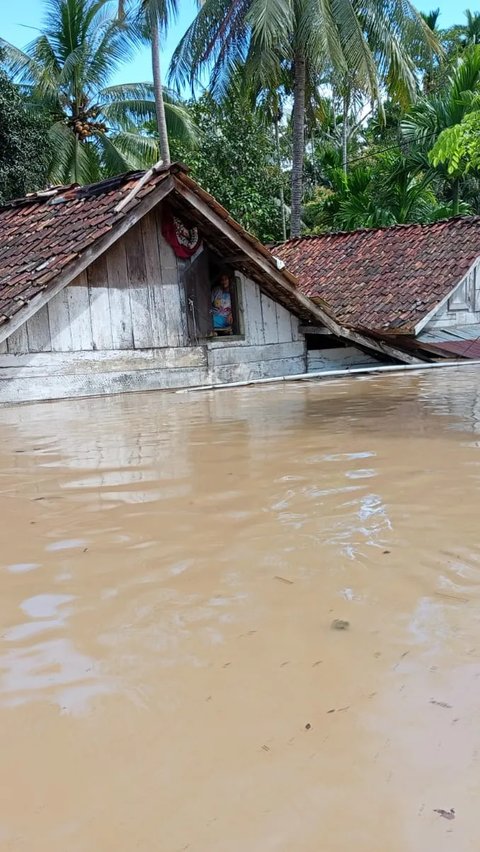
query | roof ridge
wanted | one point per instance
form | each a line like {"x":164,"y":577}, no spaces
{"x":89,"y":189}
{"x":366,"y":230}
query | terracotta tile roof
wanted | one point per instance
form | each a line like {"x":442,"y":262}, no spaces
{"x":385,"y":279}
{"x":43,"y":233}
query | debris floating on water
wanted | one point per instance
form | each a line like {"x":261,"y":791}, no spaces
{"x":445,"y":814}
{"x":340,"y":624}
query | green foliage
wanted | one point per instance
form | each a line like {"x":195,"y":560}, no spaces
{"x":235,"y":161}
{"x":422,"y":129}
{"x":377,"y":192}
{"x":414,"y":167}
{"x":24,"y":149}
{"x":391,"y":123}
{"x":457,"y":148}
{"x":364,"y":47}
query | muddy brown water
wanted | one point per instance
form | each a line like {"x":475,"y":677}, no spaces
{"x":171,"y":565}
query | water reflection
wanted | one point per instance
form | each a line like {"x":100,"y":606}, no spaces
{"x":52,"y":670}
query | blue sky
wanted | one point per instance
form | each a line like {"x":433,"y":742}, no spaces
{"x":19,"y":18}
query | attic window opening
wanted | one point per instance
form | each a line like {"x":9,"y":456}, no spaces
{"x":213,"y":299}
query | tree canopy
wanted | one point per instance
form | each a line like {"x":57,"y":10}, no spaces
{"x":24,"y":146}
{"x":336,"y":115}
{"x":235,"y":161}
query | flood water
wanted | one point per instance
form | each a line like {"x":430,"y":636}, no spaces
{"x":170,"y":568}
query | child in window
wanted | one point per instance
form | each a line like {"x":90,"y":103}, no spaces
{"x":222,"y":306}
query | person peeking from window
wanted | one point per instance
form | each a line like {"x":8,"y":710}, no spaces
{"x":222,"y":305}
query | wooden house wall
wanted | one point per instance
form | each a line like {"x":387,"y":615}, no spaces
{"x":448,"y":317}
{"x":121,"y":325}
{"x":128,"y":299}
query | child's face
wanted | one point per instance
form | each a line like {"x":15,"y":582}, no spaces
{"x":224,"y":282}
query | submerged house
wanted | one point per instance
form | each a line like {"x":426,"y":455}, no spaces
{"x":414,"y":287}
{"x":108,"y":288}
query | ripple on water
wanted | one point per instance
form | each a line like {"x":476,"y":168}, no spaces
{"x":45,"y":605}
{"x":52,"y":671}
{"x":23,"y":567}
{"x":66,"y":544}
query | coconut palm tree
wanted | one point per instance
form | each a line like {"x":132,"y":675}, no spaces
{"x":367,"y":42}
{"x":66,"y":70}
{"x":153,"y":18}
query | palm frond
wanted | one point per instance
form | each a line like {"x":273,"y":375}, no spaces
{"x":125,"y":151}
{"x":20,"y":65}
{"x":63,"y":146}
{"x":217,"y":40}
{"x":180,"y":124}
{"x":165,"y":11}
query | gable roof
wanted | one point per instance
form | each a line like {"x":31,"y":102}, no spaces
{"x":42,"y":234}
{"x":49,"y":237}
{"x":384,"y":279}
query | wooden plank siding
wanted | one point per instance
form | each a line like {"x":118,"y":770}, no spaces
{"x":252,"y":304}
{"x":18,"y":341}
{"x":78,"y":301}
{"x":129,"y":298}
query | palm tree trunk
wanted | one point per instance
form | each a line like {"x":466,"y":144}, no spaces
{"x":345,"y":105}
{"x":280,"y":178}
{"x":76,"y":178}
{"x":298,"y":142}
{"x":158,"y":92}
{"x":456,"y":197}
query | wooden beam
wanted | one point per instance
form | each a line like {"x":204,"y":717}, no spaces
{"x":73,"y":269}
{"x":313,"y":329}
{"x":273,"y":273}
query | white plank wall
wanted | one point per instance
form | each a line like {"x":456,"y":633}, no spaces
{"x":284,"y":327}
{"x":119,"y":297}
{"x":174,"y":316}
{"x":154,"y":277}
{"x":254,"y":327}
{"x":269,"y":313}
{"x":18,"y":341}
{"x":130,"y":298}
{"x":59,"y":322}
{"x":38,"y":332}
{"x":99,"y":305}
{"x":140,"y":305}
{"x":79,"y":311}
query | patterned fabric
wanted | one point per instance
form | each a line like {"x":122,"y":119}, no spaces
{"x":222,"y":308}
{"x":184,"y":240}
